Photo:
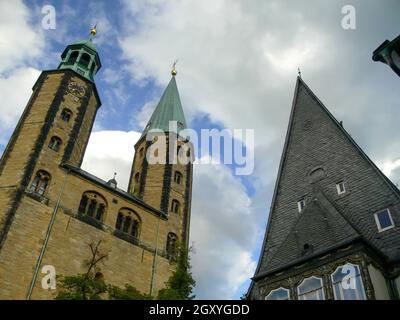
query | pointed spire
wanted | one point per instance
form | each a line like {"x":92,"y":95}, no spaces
{"x":169,"y":109}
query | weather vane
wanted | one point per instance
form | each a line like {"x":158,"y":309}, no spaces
{"x":93,"y":31}
{"x":299,"y":72}
{"x":174,"y":72}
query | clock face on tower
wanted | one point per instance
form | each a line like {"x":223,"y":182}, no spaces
{"x":76,"y":89}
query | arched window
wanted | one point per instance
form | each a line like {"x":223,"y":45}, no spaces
{"x":178,"y":177}
{"x":85,"y":59}
{"x":93,"y":205}
{"x":171,"y":245}
{"x":128,"y":222}
{"x":55,"y":143}
{"x":141,"y":152}
{"x":40,"y":183}
{"x":175,"y":205}
{"x":278,"y":294}
{"x":311,"y":288}
{"x":66,"y":115}
{"x":347,"y":283}
{"x":72,"y":58}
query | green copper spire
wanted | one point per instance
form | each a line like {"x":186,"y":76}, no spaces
{"x":168,"y":109}
{"x":82,"y":57}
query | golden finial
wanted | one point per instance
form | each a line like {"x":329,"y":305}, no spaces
{"x":174,"y":72}
{"x":93,"y":31}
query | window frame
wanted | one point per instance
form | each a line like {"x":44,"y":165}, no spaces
{"x":175,"y":206}
{"x":299,"y":208}
{"x":178,"y":177}
{"x":134,"y":219}
{"x":171,"y":246}
{"x":378,"y":223}
{"x":277,"y":289}
{"x":96,"y":205}
{"x":360,"y":278}
{"x":53,"y":146}
{"x":338,"y":188}
{"x":322,"y":288}
{"x":64,"y":112}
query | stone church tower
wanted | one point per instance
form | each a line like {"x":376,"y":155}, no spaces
{"x":333,"y":228}
{"x":51,"y":211}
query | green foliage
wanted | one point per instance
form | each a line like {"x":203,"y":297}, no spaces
{"x":91,"y":286}
{"x":128,"y":293}
{"x":81,"y":287}
{"x":181,"y":283}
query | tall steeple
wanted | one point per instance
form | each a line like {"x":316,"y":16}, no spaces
{"x":165,"y":186}
{"x":168,"y":109}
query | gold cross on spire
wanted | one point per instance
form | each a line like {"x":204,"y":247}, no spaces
{"x":174,"y":72}
{"x":93,"y":31}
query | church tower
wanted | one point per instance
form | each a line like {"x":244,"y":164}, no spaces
{"x":52,"y":213}
{"x":333,"y":228}
{"x":54,"y":129}
{"x":165,"y":184}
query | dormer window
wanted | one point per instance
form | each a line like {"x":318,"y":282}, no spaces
{"x":384,"y":220}
{"x":341,"y":188}
{"x":301,"y":204}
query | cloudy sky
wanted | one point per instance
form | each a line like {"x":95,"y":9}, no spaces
{"x":237,"y":68}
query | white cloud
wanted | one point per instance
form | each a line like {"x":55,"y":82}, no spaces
{"x":19,"y":41}
{"x":111,"y":151}
{"x":223,"y":231}
{"x":15,"y":91}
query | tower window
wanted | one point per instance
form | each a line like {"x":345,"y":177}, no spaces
{"x":128,"y":222}
{"x":340,"y":187}
{"x":93,"y":205}
{"x":301,"y":204}
{"x":141,"y":152}
{"x":66,"y":115}
{"x":384,"y":220}
{"x":85,"y":59}
{"x":72,"y":58}
{"x":178,"y":177}
{"x":171,"y":246}
{"x":40,"y":183}
{"x":175,"y":205}
{"x":55,"y":143}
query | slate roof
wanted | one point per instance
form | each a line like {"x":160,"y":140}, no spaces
{"x":320,"y":227}
{"x":315,"y":138}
